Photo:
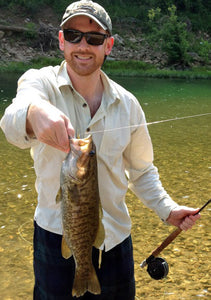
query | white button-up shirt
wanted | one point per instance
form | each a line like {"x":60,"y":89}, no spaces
{"x":124,"y":150}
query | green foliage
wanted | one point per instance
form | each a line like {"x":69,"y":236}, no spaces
{"x":163,"y":22}
{"x":193,"y":10}
{"x":203,"y":48}
{"x":30,"y":6}
{"x":175,"y":39}
{"x":114,"y":68}
{"x":154,"y":14}
{"x":129,"y":65}
{"x":170,"y":34}
{"x":36,"y":63}
{"x":32,"y":32}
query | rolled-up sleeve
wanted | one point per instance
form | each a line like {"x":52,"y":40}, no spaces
{"x":143,"y":175}
{"x":13,"y":122}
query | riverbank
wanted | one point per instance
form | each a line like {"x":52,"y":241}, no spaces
{"x":32,"y":42}
{"x":114,"y":68}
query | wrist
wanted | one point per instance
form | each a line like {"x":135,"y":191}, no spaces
{"x":29,"y":129}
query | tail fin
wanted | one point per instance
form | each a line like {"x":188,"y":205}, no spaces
{"x":81,"y":285}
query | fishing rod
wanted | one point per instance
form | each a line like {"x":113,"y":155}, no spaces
{"x":157,"y":267}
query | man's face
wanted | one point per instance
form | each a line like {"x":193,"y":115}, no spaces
{"x":82,"y":58}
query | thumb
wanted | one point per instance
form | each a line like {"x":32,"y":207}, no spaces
{"x":187,"y":211}
{"x":69,"y":128}
{"x":193,"y":211}
{"x":184,"y":211}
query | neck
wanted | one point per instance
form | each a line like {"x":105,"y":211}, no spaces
{"x":90,"y":87}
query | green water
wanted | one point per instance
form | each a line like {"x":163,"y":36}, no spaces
{"x":182,"y":154}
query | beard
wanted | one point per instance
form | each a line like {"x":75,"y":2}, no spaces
{"x":86,"y":66}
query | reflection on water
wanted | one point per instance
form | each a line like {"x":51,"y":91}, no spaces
{"x":182,"y":154}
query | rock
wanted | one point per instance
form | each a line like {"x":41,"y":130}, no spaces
{"x":118,"y":39}
{"x":133,"y":40}
{"x":1,"y":34}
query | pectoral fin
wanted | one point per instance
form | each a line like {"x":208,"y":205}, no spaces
{"x":59,"y":196}
{"x":66,"y":251}
{"x":101,"y":231}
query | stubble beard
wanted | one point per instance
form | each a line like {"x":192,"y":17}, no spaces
{"x":83,"y":68}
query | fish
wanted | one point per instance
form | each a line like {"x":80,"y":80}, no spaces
{"x":81,"y":213}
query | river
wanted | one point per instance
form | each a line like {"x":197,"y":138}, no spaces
{"x":182,"y":155}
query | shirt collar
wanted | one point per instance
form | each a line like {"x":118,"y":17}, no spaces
{"x":110,"y":90}
{"x":63,"y":78}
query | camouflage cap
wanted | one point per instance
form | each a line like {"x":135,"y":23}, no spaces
{"x":90,"y":9}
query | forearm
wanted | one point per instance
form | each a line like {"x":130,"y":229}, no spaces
{"x":29,"y":129}
{"x":148,"y":188}
{"x":13,"y":124}
{"x":49,"y":125}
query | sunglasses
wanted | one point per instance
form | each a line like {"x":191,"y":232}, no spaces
{"x":92,"y":38}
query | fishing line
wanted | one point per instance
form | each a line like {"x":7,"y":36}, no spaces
{"x":149,"y":123}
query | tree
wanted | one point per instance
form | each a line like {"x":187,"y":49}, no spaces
{"x":170,"y":34}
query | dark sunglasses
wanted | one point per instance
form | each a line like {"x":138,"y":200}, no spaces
{"x":92,"y":38}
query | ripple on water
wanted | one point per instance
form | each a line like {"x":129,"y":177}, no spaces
{"x":182,"y":153}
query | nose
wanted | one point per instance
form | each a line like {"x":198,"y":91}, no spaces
{"x":83,"y":43}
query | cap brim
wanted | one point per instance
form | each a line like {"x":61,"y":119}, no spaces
{"x":84,"y":14}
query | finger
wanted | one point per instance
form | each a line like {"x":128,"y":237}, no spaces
{"x":55,"y":136}
{"x":189,"y":211}
{"x":50,"y":126}
{"x":50,"y":140}
{"x":62,"y":139}
{"x":194,"y":212}
{"x":189,"y":222}
{"x":195,"y":217}
{"x":185,"y":226}
{"x":69,"y":128}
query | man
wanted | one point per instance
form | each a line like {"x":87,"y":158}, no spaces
{"x":55,"y":103}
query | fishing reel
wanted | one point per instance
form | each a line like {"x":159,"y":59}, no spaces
{"x":157,"y":267}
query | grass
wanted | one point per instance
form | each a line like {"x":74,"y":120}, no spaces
{"x":36,"y":63}
{"x":118,"y":68}
{"x":142,"y":69}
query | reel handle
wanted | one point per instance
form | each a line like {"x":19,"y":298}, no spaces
{"x":170,"y":238}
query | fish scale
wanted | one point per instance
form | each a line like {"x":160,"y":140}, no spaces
{"x":81,"y":213}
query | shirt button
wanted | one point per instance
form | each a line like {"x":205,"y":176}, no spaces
{"x":84,"y":105}
{"x":88,"y":129}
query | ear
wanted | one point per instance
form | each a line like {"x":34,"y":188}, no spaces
{"x":109,"y":45}
{"x":61,"y":40}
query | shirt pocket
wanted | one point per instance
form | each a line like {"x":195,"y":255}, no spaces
{"x":113,"y":145}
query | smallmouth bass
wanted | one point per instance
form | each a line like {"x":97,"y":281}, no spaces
{"x":81,"y":213}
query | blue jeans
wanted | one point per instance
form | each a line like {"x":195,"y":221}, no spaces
{"x":54,"y":275}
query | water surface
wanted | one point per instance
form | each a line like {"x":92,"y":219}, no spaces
{"x":182,"y":154}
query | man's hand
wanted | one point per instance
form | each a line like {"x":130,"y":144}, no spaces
{"x":49,"y":125}
{"x":183,"y":217}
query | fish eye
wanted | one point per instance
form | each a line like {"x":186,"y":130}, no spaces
{"x":92,"y":153}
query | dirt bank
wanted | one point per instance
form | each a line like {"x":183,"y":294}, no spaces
{"x":23,"y":46}
{"x":41,"y":38}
